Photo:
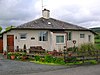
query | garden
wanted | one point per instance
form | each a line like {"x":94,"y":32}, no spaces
{"x":86,"y":53}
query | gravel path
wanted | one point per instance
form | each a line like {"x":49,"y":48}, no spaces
{"x":11,"y":67}
{"x":82,"y":70}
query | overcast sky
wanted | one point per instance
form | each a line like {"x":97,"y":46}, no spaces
{"x":84,"y":13}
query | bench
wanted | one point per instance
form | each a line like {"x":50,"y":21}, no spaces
{"x":36,"y":49}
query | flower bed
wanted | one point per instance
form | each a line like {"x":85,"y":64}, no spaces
{"x":17,"y":55}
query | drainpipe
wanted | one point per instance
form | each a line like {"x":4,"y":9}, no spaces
{"x":66,"y":40}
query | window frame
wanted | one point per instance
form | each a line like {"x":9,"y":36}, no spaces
{"x":89,"y":38}
{"x":23,"y":37}
{"x":60,"y":41}
{"x":43,"y":36}
{"x":82,"y":35}
{"x":69,"y":36}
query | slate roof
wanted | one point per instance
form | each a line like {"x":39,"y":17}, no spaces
{"x":50,"y":23}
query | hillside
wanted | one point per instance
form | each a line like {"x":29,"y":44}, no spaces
{"x":97,"y":29}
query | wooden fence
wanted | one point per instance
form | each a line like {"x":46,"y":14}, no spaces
{"x":84,"y":56}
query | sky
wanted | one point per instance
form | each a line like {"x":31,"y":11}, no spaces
{"x":85,"y":13}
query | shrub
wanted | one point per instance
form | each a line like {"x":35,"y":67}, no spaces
{"x":48,"y":58}
{"x":71,"y":59}
{"x":59,"y":61}
{"x":18,"y":55}
{"x":86,"y":49}
{"x":37,"y":58}
{"x":72,"y":49}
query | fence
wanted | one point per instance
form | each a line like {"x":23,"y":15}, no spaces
{"x":84,"y":56}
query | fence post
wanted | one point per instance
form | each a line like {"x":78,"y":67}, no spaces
{"x":83,"y":59}
{"x":65,"y":52}
{"x":97,"y":55}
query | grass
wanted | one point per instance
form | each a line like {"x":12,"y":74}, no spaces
{"x":93,"y":62}
{"x":97,"y":40}
{"x":97,"y":46}
{"x":97,"y":43}
{"x":38,"y":62}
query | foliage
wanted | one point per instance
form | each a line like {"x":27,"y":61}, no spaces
{"x":97,"y":40}
{"x":9,"y":27}
{"x":22,"y":53}
{"x":97,"y":36}
{"x":87,"y":49}
{"x":72,"y":49}
{"x":18,"y":55}
{"x":48,"y":58}
{"x":51,"y":59}
{"x":37,"y":58}
{"x":59,"y":61}
{"x":71,"y":59}
{"x":97,"y":46}
{"x":0,"y":28}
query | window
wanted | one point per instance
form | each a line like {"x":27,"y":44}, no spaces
{"x":69,"y":36}
{"x":60,"y":39}
{"x":82,"y":35}
{"x":43,"y":36}
{"x":89,"y":38}
{"x":23,"y":36}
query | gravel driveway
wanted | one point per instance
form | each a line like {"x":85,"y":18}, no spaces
{"x":11,"y":67}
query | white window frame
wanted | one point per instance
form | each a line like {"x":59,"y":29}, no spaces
{"x":69,"y":36}
{"x":60,"y":42}
{"x":24,"y":37}
{"x":82,"y":35}
{"x":43,"y":36}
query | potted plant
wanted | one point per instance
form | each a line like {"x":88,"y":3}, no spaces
{"x":12,"y":55}
{"x":24,"y":56}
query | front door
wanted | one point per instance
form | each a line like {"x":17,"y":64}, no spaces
{"x":1,"y":45}
{"x":10,"y":43}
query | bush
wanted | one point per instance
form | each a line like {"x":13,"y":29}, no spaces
{"x":18,"y":55}
{"x":86,"y":49}
{"x":72,"y":49}
{"x":71,"y":59}
{"x":59,"y":61}
{"x":37,"y":58}
{"x":48,"y":58}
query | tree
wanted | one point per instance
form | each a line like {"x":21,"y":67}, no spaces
{"x":0,"y":29}
{"x":9,"y":27}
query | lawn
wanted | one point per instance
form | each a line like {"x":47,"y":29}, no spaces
{"x":97,"y":43}
{"x":97,"y":40}
{"x":98,"y":46}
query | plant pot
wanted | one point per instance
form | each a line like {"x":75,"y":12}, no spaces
{"x":12,"y":57}
{"x":24,"y":57}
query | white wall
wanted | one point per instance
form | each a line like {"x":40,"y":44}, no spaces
{"x":48,"y":45}
{"x":75,"y":36}
{"x":79,"y":41}
{"x":27,"y":41}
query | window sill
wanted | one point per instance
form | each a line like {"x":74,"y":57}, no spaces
{"x":22,"y":39}
{"x":60,"y":43}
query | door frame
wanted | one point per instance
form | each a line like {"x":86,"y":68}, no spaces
{"x":1,"y":41}
{"x":12,"y":46}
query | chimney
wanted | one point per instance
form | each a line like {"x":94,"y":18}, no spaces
{"x":45,"y":13}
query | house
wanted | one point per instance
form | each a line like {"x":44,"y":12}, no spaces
{"x":49,"y":33}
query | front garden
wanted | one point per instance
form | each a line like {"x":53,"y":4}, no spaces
{"x":86,"y":53}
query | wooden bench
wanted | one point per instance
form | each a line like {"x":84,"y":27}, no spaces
{"x":36,"y":49}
